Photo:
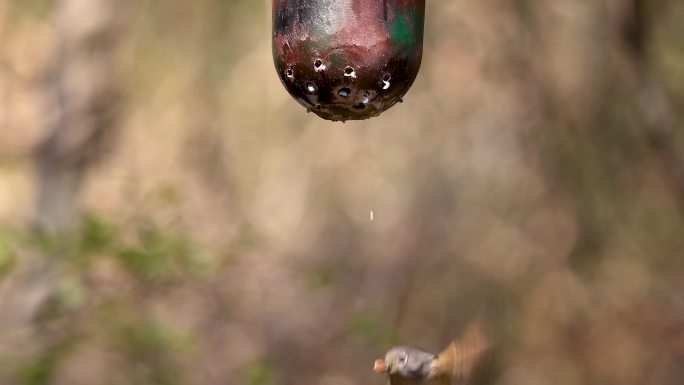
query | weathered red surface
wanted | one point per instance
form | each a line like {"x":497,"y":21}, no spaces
{"x":348,"y":59}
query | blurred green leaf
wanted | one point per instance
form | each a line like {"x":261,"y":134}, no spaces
{"x":168,"y":194}
{"x":258,"y":373}
{"x":96,"y":234}
{"x":63,"y":243}
{"x":154,"y":349}
{"x":41,"y":370}
{"x":322,"y":276}
{"x":34,"y":7}
{"x":370,"y":328}
{"x":149,"y":338}
{"x":161,"y":256}
{"x":7,"y":256}
{"x":69,"y":296}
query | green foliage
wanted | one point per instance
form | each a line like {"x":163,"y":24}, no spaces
{"x":160,"y":256}
{"x":167,"y":195}
{"x":322,"y":276}
{"x":70,"y":295}
{"x":34,"y":7}
{"x":146,"y":339}
{"x":53,"y":243}
{"x":368,"y":326}
{"x":97,"y":235}
{"x":7,"y":255}
{"x":258,"y":373}
{"x":153,"y":253}
{"x":94,"y":235}
{"x":41,"y":370}
{"x":153,"y":350}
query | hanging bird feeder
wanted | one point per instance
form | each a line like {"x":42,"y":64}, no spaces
{"x":348,"y":59}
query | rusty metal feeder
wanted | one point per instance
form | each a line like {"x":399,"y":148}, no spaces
{"x":348,"y":59}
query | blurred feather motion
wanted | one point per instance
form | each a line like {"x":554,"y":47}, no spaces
{"x":455,"y":364}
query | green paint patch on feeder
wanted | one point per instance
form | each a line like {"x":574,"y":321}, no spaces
{"x":348,"y":59}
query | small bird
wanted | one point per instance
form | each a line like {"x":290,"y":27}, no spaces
{"x":454,"y":365}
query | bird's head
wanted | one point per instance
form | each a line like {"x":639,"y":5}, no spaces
{"x":406,"y":362}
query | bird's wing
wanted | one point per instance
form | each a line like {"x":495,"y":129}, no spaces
{"x":461,"y":357}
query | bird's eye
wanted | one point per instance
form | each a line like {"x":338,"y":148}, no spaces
{"x":403,"y":359}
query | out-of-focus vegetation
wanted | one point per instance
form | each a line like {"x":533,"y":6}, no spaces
{"x":168,"y":215}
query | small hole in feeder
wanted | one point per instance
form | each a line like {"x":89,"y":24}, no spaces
{"x":289,"y":73}
{"x":349,"y":71}
{"x":344,"y":92}
{"x":318,"y":65}
{"x":386,"y":81}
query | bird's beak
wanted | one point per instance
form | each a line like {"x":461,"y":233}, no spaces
{"x":379,"y":366}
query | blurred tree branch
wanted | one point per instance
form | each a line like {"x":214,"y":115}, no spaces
{"x":659,"y":116}
{"x":85,"y":101}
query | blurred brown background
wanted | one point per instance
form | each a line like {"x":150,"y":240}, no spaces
{"x":168,"y":215}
